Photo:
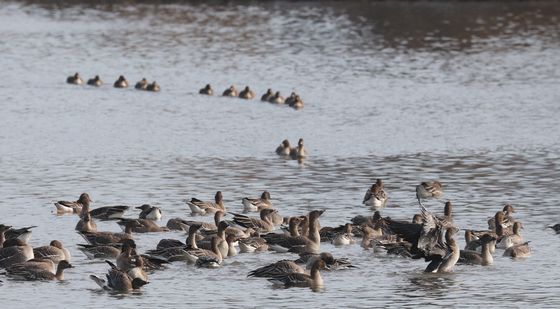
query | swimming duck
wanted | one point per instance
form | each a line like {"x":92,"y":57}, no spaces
{"x":344,"y":238}
{"x":284,"y":148}
{"x":555,"y":227}
{"x":507,"y":221}
{"x":121,"y":82}
{"x":96,"y":81}
{"x":54,"y":251}
{"x":118,"y":281}
{"x":276,"y":98}
{"x":154,"y":87}
{"x":142,"y":225}
{"x":291,"y":99}
{"x":221,"y":238}
{"x":73,"y":207}
{"x":75,"y":79}
{"x":149,"y":212}
{"x":137,"y":271}
{"x":507,"y":241}
{"x":331,"y":263}
{"x":207,"y":255}
{"x":312,"y":280}
{"x":106,"y":238}
{"x":247,"y":93}
{"x":23,"y":234}
{"x":298,"y":152}
{"x":109,"y":212}
{"x":39,"y":273}
{"x":430,"y":189}
{"x":297,"y":103}
{"x":375,"y":196}
{"x":202,"y":208}
{"x":35,"y":263}
{"x":207,"y":90}
{"x":253,"y":244}
{"x":124,"y":259}
{"x":265,"y":97}
{"x":230,"y":92}
{"x":15,"y":251}
{"x":257,"y":204}
{"x":311,"y":242}
{"x":142,"y":84}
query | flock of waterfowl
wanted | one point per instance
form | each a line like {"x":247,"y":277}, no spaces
{"x":208,"y":244}
{"x":294,"y":100}
{"x":121,"y":82}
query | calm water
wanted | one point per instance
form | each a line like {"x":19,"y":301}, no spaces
{"x":466,"y":93}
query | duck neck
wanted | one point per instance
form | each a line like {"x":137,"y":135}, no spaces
{"x":486,"y":255}
{"x":314,"y":235}
{"x":316,"y":274}
{"x":294,"y":232}
{"x":191,"y":241}
{"x":59,"y":273}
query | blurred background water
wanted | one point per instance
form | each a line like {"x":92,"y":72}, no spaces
{"x":466,"y":93}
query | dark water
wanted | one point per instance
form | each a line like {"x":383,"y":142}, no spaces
{"x":466,"y":93}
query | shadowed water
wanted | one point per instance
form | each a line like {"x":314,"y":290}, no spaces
{"x":463,"y":92}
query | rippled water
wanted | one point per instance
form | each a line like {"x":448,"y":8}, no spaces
{"x":462,"y":92}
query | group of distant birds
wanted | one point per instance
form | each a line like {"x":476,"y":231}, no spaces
{"x":295,"y":153}
{"x":294,"y":100}
{"x":208,"y":244}
{"x":121,"y":82}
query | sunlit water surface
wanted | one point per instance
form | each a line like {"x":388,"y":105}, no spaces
{"x":466,"y":93}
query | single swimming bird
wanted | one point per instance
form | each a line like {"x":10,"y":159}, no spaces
{"x":277,"y":98}
{"x":484,"y":258}
{"x":39,"y":273}
{"x":518,"y":251}
{"x":277,"y":268}
{"x":247,"y":93}
{"x":257,"y":204}
{"x":298,"y":152}
{"x":312,"y":280}
{"x":230,"y":92}
{"x":344,"y":238}
{"x":142,"y":225}
{"x":96,"y":81}
{"x":283,"y":149}
{"x":203,"y":207}
{"x":108,"y":212}
{"x":55,"y":252}
{"x":375,"y":196}
{"x":207,"y":90}
{"x":100,"y":251}
{"x":149,"y":212}
{"x":121,"y":82}
{"x":86,"y":223}
{"x":263,"y":225}
{"x":142,"y":84}
{"x":118,"y":281}
{"x":267,"y":95}
{"x":75,"y":79}
{"x":73,"y":207}
{"x":154,"y":87}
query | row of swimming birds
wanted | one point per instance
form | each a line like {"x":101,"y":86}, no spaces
{"x":294,"y":100}
{"x":207,"y":245}
{"x":121,"y":82}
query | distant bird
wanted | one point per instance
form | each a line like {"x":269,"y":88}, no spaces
{"x":277,"y":98}
{"x":298,"y":152}
{"x":121,"y":82}
{"x":284,"y":148}
{"x":75,"y":79}
{"x":154,"y":87}
{"x":375,"y":196}
{"x":207,"y":90}
{"x":149,"y":212}
{"x":230,"y":92}
{"x":109,"y":212}
{"x":247,"y":93}
{"x":430,"y":189}
{"x":344,"y":238}
{"x":118,"y":281}
{"x":555,"y":227}
{"x":96,"y":81}
{"x":267,"y":95}
{"x":518,"y":251}
{"x":73,"y":207}
{"x":142,"y":84}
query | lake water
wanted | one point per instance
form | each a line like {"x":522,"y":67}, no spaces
{"x":466,"y":93}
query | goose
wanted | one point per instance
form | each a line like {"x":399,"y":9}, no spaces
{"x":247,"y":93}
{"x":24,"y":233}
{"x":121,"y":82}
{"x":105,"y":238}
{"x":222,"y":242}
{"x":298,"y":103}
{"x":118,"y":281}
{"x":277,"y":268}
{"x":108,"y":212}
{"x":96,"y":81}
{"x":298,"y":152}
{"x":429,"y":189}
{"x":74,"y":79}
{"x":177,"y":253}
{"x":518,"y":251}
{"x":202,"y":208}
{"x":253,"y":244}
{"x":149,"y":212}
{"x":484,"y":258}
{"x":298,"y":244}
{"x":507,"y":221}
{"x":267,"y":95}
{"x":86,"y":224}
{"x":257,"y":204}
{"x":55,"y":252}
{"x":291,"y":99}
{"x":207,"y":255}
{"x":331,"y":263}
{"x":232,"y":250}
{"x":37,"y":263}
{"x":100,"y":251}
{"x":73,"y":207}
{"x":230,"y":92}
{"x":142,"y":225}
{"x":345,"y":238}
{"x":154,"y":87}
{"x":277,"y":238}
{"x":276,"y":98}
{"x":283,"y":149}
{"x":262,"y":225}
{"x":40,"y":273}
{"x":507,"y":241}
{"x":312,"y":280}
{"x":207,"y":90}
{"x":125,"y":259}
{"x":375,"y":196}
{"x":15,"y":251}
{"x":137,"y":269}
{"x":142,"y":84}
